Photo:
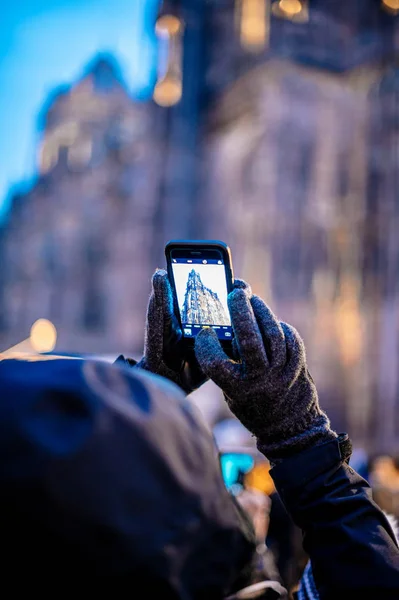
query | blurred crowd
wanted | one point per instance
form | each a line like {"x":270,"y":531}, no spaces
{"x":278,"y":534}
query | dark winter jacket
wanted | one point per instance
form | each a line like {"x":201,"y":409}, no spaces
{"x":352,"y":547}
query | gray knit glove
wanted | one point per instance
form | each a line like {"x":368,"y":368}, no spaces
{"x":165,"y":353}
{"x":268,"y":388}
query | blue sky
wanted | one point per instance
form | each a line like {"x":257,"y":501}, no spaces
{"x":44,"y":43}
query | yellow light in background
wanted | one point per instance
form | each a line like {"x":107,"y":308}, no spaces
{"x":169,"y":87}
{"x":294,"y":10}
{"x":168,"y":25}
{"x":43,"y":335}
{"x":259,"y":478}
{"x":290,"y":7}
{"x":168,"y":91}
{"x":348,"y":321}
{"x":391,"y":6}
{"x":254,"y":24}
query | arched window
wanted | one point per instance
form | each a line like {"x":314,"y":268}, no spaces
{"x":63,"y":136}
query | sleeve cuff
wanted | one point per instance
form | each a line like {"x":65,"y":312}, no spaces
{"x":295,"y":472}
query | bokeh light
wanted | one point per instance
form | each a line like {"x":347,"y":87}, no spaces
{"x":168,"y":25}
{"x":254,"y":26}
{"x":391,"y":6}
{"x":168,"y":91}
{"x":43,"y":335}
{"x":290,"y":7}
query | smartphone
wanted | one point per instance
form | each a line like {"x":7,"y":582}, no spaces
{"x":201,"y":275}
{"x":235,"y":466}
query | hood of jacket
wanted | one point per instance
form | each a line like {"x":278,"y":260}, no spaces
{"x":109,"y":471}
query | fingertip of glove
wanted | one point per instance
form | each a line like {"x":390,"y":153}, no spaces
{"x":290,"y":332}
{"x":159,"y":274}
{"x":160,"y":280}
{"x":258,"y":300}
{"x":205,"y":333}
{"x":237,"y":299}
{"x":294,"y":341}
{"x":240,"y":284}
{"x":260,"y":306}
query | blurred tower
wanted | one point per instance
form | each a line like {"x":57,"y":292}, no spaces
{"x":182,"y":47}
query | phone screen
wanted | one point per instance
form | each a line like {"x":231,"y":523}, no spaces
{"x":201,"y":290}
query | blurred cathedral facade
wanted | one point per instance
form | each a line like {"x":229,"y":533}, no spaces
{"x":284,"y":143}
{"x":77,"y":247}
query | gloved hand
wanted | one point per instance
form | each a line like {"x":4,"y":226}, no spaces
{"x":269,"y":389}
{"x":165,"y":353}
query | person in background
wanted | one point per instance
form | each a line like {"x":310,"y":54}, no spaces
{"x":278,"y":534}
{"x":284,"y":539}
{"x":246,"y":474}
{"x":384,"y":481}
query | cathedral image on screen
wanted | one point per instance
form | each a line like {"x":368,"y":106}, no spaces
{"x":201,"y":305}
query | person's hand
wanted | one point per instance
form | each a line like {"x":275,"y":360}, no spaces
{"x":269,"y":388}
{"x":257,"y":505}
{"x":164,"y":350}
